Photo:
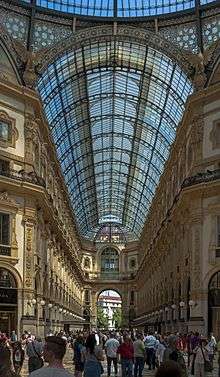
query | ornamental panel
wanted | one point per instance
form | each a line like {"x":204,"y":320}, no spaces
{"x":211,"y":30}
{"x":184,"y":36}
{"x":15,"y":24}
{"x":47,"y":34}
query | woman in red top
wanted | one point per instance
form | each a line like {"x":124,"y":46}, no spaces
{"x":126,"y":352}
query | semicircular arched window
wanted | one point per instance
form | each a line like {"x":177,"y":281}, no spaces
{"x":7,"y":280}
{"x":109,"y":262}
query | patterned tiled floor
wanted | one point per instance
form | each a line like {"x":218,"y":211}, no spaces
{"x":69,"y":366}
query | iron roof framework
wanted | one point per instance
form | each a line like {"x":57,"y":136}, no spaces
{"x":113,"y":108}
{"x":118,"y":8}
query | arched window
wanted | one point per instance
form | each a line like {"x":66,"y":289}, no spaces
{"x":7,"y":280}
{"x":109,"y":260}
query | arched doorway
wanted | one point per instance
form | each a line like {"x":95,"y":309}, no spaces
{"x":109,"y":310}
{"x":8,"y":301}
{"x":214,"y":304}
{"x":110,"y":263}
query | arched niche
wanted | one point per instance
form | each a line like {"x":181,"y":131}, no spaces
{"x":8,"y":69}
{"x":8,"y":301}
{"x":214,"y":304}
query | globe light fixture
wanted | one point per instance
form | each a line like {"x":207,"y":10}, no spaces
{"x":34,"y":301}
{"x":173,"y":306}
{"x":50,"y":305}
{"x":191,"y":303}
{"x":60,"y":310}
{"x":42,"y":302}
{"x":182,"y":304}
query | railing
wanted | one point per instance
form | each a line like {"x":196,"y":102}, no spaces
{"x":118,"y":276}
{"x":210,"y":175}
{"x":109,"y":275}
{"x":5,"y":250}
{"x":21,"y":175}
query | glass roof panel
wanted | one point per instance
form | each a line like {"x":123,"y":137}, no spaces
{"x":119,"y":8}
{"x":113,"y":126}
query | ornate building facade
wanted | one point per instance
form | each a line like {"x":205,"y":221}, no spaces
{"x":109,"y":165}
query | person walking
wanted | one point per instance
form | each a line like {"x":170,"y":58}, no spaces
{"x":211,"y":347}
{"x":139,"y":355}
{"x":111,"y":349}
{"x":78,"y":347}
{"x":17,"y":356}
{"x":151,"y":344}
{"x":126,"y":352}
{"x":160,"y":351}
{"x":53,"y":353}
{"x":172,"y":353}
{"x":201,"y":356}
{"x":92,"y":357}
{"x":34,"y":350}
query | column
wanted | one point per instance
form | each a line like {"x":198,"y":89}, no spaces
{"x":197,"y":297}
{"x":29,"y":222}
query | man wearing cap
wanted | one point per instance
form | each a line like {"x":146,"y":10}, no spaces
{"x":53,"y":353}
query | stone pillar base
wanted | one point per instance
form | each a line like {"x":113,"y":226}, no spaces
{"x":29,"y":323}
{"x":197,"y":324}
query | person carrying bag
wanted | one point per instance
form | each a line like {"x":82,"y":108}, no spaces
{"x":207,"y":363}
{"x":201,"y":360}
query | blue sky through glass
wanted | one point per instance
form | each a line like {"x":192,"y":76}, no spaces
{"x":124,"y":8}
{"x":113,"y":110}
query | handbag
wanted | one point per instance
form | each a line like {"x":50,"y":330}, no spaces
{"x":207,"y":364}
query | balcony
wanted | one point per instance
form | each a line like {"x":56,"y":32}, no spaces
{"x":116,"y":276}
{"x":5,"y":250}
{"x":21,"y":175}
{"x":104,"y":275}
{"x":208,"y":176}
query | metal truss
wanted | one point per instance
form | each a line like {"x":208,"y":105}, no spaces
{"x":113,"y":108}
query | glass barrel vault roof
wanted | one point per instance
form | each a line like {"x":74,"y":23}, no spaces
{"x":113,"y":109}
{"x":119,"y":8}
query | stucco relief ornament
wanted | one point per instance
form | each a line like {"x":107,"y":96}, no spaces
{"x":4,"y":197}
{"x":200,"y":76}
{"x":30,"y":75}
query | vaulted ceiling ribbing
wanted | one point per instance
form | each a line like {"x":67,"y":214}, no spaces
{"x":113,"y":108}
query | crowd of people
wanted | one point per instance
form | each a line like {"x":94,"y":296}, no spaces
{"x":171,"y":355}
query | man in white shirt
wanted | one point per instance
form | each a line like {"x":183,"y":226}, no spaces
{"x":111,"y":348}
{"x":54,"y":351}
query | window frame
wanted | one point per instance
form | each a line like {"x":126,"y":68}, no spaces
{"x":11,"y":142}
